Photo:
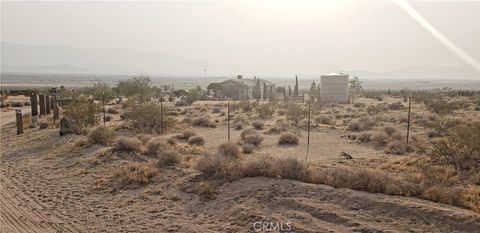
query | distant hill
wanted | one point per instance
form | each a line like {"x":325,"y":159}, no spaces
{"x":62,"y":69}
{"x":421,"y":72}
{"x":71,"y":60}
{"x":27,"y":58}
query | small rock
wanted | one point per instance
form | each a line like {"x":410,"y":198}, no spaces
{"x":43,"y":125}
{"x":346,"y":156}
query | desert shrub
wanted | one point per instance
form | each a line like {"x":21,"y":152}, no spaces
{"x":254,"y":139}
{"x":134,"y":173}
{"x":448,"y":195}
{"x":246,"y":132}
{"x":229,"y":168}
{"x":247,"y":148}
{"x":365,"y":137}
{"x":359,"y":105}
{"x":82,"y":113}
{"x":241,"y":119}
{"x":229,"y":149}
{"x":186,"y":134}
{"x":363,"y":123}
{"x":288,"y":138}
{"x":5,"y":105}
{"x":246,"y":106}
{"x":290,"y":168}
{"x":108,"y":118}
{"x":216,"y":110}
{"x":380,"y":139}
{"x":167,"y":157}
{"x":355,"y":125}
{"x":180,"y":103}
{"x":155,"y":146}
{"x":443,"y":126}
{"x":218,"y":166}
{"x":127,"y":144}
{"x":281,"y":112}
{"x":258,"y":124}
{"x":325,"y":120}
{"x":238,"y":126}
{"x":101,"y":135}
{"x":366,"y":180}
{"x":16,"y":104}
{"x":203,"y":122}
{"x":376,"y":109}
{"x":27,"y":103}
{"x":144,"y":138}
{"x":295,"y":113}
{"x":395,"y":106}
{"x":441,"y":107}
{"x":397,"y":147}
{"x":196,"y":140}
{"x":112,"y":111}
{"x":147,"y":118}
{"x":459,"y":149}
{"x":172,"y":141}
{"x":266,"y":111}
{"x":389,"y":130}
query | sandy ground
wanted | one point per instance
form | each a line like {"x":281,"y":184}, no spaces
{"x":49,"y":185}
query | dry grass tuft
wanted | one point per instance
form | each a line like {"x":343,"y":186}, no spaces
{"x":196,"y":140}
{"x":258,"y":124}
{"x":229,"y":149}
{"x":167,"y":157}
{"x":134,"y":173}
{"x":366,"y":180}
{"x":247,"y":148}
{"x":203,"y":122}
{"x":186,"y":134}
{"x":127,"y":144}
{"x":155,"y":146}
{"x":288,"y":139}
{"x":254,"y":139}
{"x":101,"y":135}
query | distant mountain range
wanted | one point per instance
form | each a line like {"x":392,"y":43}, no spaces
{"x":60,"y":59}
{"x":69,"y":60}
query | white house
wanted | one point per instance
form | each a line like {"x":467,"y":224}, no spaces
{"x":334,"y":87}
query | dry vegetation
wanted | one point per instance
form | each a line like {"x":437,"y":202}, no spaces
{"x":441,"y":162}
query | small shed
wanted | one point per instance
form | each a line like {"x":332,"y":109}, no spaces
{"x":334,"y":87}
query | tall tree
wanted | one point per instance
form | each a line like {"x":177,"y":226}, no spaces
{"x":256,"y":91}
{"x":141,"y":86}
{"x":265,"y":94}
{"x":289,"y":91}
{"x":295,"y":90}
{"x":313,"y":89}
{"x":355,"y":87}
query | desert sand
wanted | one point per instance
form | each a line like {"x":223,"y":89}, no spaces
{"x":50,"y":185}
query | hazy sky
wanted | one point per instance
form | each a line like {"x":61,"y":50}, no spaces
{"x":292,"y":36}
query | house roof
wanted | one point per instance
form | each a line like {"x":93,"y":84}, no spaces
{"x":250,"y":82}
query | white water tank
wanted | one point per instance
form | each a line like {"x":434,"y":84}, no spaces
{"x":334,"y":88}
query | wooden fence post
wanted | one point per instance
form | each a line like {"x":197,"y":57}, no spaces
{"x":19,"y":118}
{"x":42,"y":104}
{"x":47,"y":103}
{"x":34,"y":107}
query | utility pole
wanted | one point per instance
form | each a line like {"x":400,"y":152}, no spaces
{"x":161,"y":112}
{"x":103,"y":103}
{"x":228,"y":119}
{"x":408,"y":121}
{"x":308,"y":133}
